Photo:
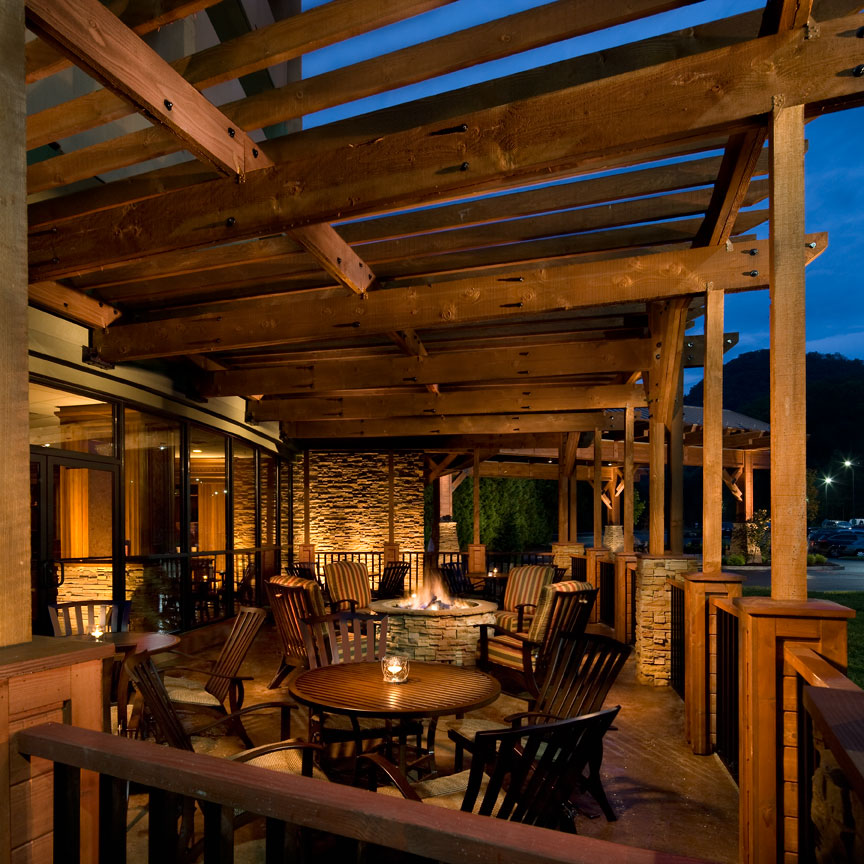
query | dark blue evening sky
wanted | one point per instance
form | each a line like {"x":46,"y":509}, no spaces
{"x":835,"y":169}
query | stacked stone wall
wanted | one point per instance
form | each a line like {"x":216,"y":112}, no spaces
{"x":348,"y":501}
{"x":654,"y":619}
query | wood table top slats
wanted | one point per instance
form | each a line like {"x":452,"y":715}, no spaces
{"x":432,"y":690}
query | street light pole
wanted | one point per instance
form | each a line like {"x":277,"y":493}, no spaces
{"x":851,"y":466}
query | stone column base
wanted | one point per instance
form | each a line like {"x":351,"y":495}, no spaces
{"x":743,"y":543}
{"x":563,"y":552}
{"x":613,"y":538}
{"x":448,"y":536}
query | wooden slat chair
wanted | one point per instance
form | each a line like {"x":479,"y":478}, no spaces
{"x":520,"y":660}
{"x":522,"y":595}
{"x":348,"y":584}
{"x":524,"y":775}
{"x":291,"y":599}
{"x":577,"y":681}
{"x":349,"y":637}
{"x":456,"y":580}
{"x":78,"y":617}
{"x":392,"y":582}
{"x":289,"y":755}
{"x":220,"y":679}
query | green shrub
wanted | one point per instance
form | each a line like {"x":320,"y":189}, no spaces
{"x":734,"y":560}
{"x":815,"y":560}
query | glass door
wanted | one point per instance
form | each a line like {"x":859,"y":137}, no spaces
{"x":73,"y":542}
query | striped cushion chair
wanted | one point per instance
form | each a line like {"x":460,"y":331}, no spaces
{"x":522,"y":595}
{"x":313,"y":589}
{"x":348,"y":584}
{"x":519,"y":660}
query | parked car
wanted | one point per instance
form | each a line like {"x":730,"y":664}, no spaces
{"x":836,"y":523}
{"x":830,"y":543}
{"x":857,"y":524}
{"x":855,"y":546}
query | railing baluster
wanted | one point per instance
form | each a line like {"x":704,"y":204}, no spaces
{"x":218,"y":833}
{"x":163,"y":837}
{"x":727,"y":691}
{"x":676,"y":635}
{"x":113,"y":808}
{"x":67,"y":813}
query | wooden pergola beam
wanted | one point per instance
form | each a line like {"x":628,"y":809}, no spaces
{"x":336,"y":257}
{"x":72,"y":304}
{"x":102,"y":45}
{"x":452,"y":367}
{"x":286,"y":318}
{"x":491,"y":424}
{"x":581,"y":130}
{"x":430,"y":405}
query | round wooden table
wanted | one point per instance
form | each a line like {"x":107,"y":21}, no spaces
{"x":432,"y":690}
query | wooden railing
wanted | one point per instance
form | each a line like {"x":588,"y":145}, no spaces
{"x":505,"y":561}
{"x":579,"y":568}
{"x":677,"y":656}
{"x":824,"y":731}
{"x":606,"y":592}
{"x":726,"y":686}
{"x":286,"y":801}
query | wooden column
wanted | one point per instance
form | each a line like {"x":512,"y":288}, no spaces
{"x":572,"y":489}
{"x":598,"y":488}
{"x":476,"y":497}
{"x":615,"y":500}
{"x":712,"y":434}
{"x":629,"y":479}
{"x":306,"y":508}
{"x":788,"y":374}
{"x":656,"y":490}
{"x":14,"y":455}
{"x":747,"y":479}
{"x":676,"y":472}
{"x":446,"y":503}
{"x":391,"y":499}
{"x":563,"y":498}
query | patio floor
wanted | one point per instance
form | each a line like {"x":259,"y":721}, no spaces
{"x":666,"y":798}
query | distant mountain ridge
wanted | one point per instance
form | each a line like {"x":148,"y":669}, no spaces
{"x":835,"y":402}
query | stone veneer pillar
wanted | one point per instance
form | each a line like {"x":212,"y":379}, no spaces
{"x":448,"y":536}
{"x":613,"y":538}
{"x":563,"y":552}
{"x":653,"y":624}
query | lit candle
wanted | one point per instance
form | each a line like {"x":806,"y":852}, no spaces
{"x":395,"y":668}
{"x":96,"y":632}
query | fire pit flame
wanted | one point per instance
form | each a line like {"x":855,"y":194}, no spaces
{"x":432,"y":598}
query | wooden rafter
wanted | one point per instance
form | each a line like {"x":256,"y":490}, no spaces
{"x":286,"y":318}
{"x":367,"y":406}
{"x":491,"y":424}
{"x":103,"y":46}
{"x":452,"y":367}
{"x":68,"y":303}
{"x":376,"y":178}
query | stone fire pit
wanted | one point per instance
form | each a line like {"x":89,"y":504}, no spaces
{"x":442,"y":635}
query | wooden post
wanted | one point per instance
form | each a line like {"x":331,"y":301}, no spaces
{"x":391,"y":499}
{"x":788,"y":373}
{"x":629,"y":478}
{"x":712,"y":434}
{"x":572,"y":489}
{"x":563,"y":498}
{"x":615,"y":512}
{"x":436,"y":522}
{"x":676,"y":472}
{"x":748,"y":484}
{"x":306,"y":509}
{"x":476,"y":497}
{"x":656,"y":490}
{"x":15,"y":603}
{"x":598,"y":488}
{"x":446,"y":503}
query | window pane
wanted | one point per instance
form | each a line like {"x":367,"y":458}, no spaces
{"x":70,"y":422}
{"x":208,"y":487}
{"x":152,"y":484}
{"x":243,"y":489}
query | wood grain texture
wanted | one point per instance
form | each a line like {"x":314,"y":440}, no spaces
{"x":712,"y":426}
{"x":656,"y":486}
{"x":285,"y":318}
{"x":102,"y":45}
{"x":597,"y":483}
{"x":14,"y":455}
{"x":72,"y":304}
{"x":788,"y":352}
{"x":593,"y":125}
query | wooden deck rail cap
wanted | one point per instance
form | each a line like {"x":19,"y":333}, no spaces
{"x":792,"y":608}
{"x":815,"y":669}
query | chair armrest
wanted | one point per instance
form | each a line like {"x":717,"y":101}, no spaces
{"x":515,"y":720}
{"x":210,"y":674}
{"x":284,"y":707}
{"x":520,"y":608}
{"x":336,"y":604}
{"x":309,"y":750}
{"x":399,"y":780}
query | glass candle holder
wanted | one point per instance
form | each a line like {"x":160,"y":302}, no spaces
{"x":97,"y":632}
{"x":395,"y":668}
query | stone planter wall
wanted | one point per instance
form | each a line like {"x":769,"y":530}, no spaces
{"x":653,"y":619}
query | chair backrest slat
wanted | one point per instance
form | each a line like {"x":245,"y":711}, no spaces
{"x":348,"y":580}
{"x":344,"y":637}
{"x":246,"y":626}
{"x":78,"y":617}
{"x":392,"y":582}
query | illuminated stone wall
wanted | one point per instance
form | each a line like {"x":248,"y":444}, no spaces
{"x":349,"y":501}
